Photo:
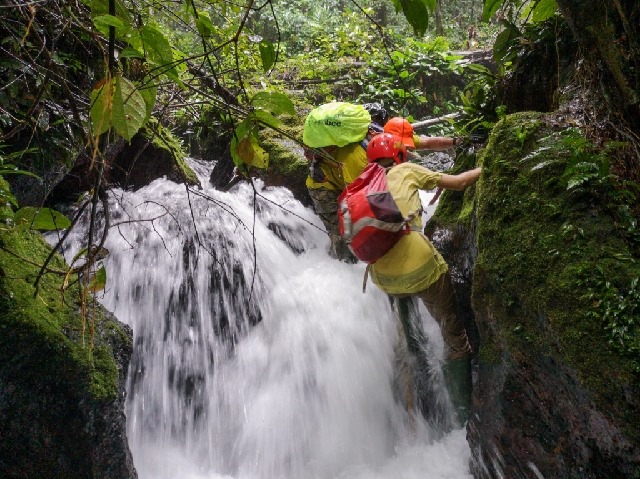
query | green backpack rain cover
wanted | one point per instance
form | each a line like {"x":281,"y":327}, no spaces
{"x":336,"y":123}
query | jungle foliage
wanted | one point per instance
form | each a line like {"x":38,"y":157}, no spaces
{"x":78,"y":77}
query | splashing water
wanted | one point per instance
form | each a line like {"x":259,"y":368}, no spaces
{"x":256,"y":355}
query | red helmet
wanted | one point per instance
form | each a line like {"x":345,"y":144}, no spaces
{"x":386,"y":145}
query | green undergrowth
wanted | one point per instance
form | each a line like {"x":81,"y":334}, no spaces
{"x":556,"y":265}
{"x":41,"y":338}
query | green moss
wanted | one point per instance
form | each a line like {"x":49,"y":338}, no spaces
{"x":457,"y":207}
{"x":285,"y":156}
{"x":162,"y":138}
{"x":40,"y":332}
{"x":539,"y":246}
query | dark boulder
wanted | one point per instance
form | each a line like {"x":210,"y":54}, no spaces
{"x":554,"y":396}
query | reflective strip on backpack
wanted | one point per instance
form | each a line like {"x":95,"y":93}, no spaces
{"x":376,"y":223}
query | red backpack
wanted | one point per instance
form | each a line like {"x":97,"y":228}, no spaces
{"x":368,"y":217}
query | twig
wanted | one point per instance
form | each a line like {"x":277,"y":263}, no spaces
{"x":435,"y":121}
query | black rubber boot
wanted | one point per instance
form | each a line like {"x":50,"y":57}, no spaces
{"x":457,"y":376}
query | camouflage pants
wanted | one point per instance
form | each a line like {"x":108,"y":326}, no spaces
{"x":440,"y":301}
{"x":325,"y":204}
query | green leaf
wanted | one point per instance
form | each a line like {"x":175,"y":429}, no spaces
{"x":417,"y":15}
{"x":245,"y":150}
{"x":504,"y":40}
{"x":243,"y":129}
{"x":101,"y":7}
{"x":204,"y":25}
{"x":276,"y":103}
{"x":101,"y":106}
{"x":267,"y":118}
{"x":476,"y":67}
{"x":149,"y":95}
{"x":7,"y":197}
{"x":41,"y":219}
{"x":103,"y":22}
{"x":543,"y":10}
{"x":267,"y":54}
{"x":156,"y":45}
{"x":131,"y":52}
{"x":490,"y":8}
{"x":129,"y":109}
{"x":252,"y":153}
{"x":430,"y":4}
{"x":15,"y":171}
{"x":99,"y":280}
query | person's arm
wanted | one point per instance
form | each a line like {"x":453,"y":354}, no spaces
{"x":436,"y":143}
{"x":460,"y":181}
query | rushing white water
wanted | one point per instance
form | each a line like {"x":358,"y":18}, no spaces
{"x":256,"y":355}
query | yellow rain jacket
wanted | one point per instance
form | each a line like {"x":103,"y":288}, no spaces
{"x":413,"y":264}
{"x":352,"y":159}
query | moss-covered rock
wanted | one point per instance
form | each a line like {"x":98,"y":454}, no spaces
{"x":62,"y":373}
{"x":154,"y":152}
{"x":553,"y":279}
{"x":287,"y":164}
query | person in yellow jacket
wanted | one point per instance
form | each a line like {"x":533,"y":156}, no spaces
{"x":401,"y":127}
{"x":335,"y":135}
{"x":413,"y":266}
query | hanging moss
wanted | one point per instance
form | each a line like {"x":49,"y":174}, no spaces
{"x":541,"y":250}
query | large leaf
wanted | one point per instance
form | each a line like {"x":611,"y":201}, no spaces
{"x":266,"y":118}
{"x":267,"y":54}
{"x":504,"y":39}
{"x":276,"y":103}
{"x":101,"y":106}
{"x":129,"y":109}
{"x":243,"y":129}
{"x":416,"y":14}
{"x":103,"y":22}
{"x":245,"y":150}
{"x":131,"y":52}
{"x":204,"y":25}
{"x":156,"y":45}
{"x":101,"y":7}
{"x":543,"y":10}
{"x":252,"y":153}
{"x":44,"y":219}
{"x":98,"y":281}
{"x":490,"y":8}
{"x":430,"y":4}
{"x":149,"y":95}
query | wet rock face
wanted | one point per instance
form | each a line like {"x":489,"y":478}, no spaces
{"x":149,"y":155}
{"x":552,"y":398}
{"x":53,"y":427}
{"x":534,"y":419}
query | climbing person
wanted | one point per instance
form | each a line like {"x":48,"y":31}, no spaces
{"x":413,"y":267}
{"x":335,"y":136}
{"x":401,"y":127}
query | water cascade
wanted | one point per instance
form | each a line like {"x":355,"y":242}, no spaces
{"x":256,"y":355}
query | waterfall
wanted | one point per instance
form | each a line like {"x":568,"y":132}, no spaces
{"x":256,"y":355}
